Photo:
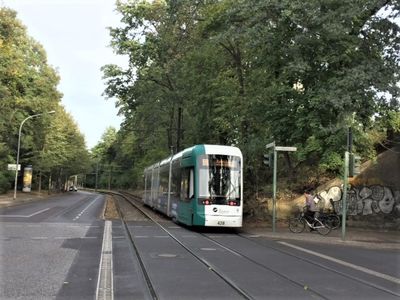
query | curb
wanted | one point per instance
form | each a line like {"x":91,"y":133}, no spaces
{"x":11,"y":203}
{"x":372,"y":243}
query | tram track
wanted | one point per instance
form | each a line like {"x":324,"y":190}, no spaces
{"x":320,"y":265}
{"x":135,"y":250}
{"x":212,"y":268}
{"x":244,"y":256}
{"x":309,"y":261}
{"x":235,"y":252}
{"x":136,"y":203}
{"x":310,"y":289}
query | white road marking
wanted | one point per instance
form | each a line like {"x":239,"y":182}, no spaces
{"x":105,"y":289}
{"x":344,"y":263}
{"x":90,"y":204}
{"x":23,"y":216}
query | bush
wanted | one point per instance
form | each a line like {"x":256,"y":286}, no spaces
{"x":4,"y":184}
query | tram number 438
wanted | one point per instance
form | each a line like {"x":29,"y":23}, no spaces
{"x":221,"y":222}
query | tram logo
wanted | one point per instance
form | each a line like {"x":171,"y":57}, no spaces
{"x":215,"y":209}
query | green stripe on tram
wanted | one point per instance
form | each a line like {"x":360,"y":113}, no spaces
{"x":199,"y":216}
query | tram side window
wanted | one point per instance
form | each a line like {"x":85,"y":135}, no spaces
{"x":164,"y":177}
{"x":148,"y":185}
{"x":176,"y":180}
{"x":187,"y":186}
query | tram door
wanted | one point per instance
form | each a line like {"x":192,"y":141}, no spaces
{"x":185,"y":209}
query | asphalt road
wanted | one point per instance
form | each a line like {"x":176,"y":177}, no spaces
{"x":260,"y":267}
{"x":51,"y":249}
{"x":61,"y":248}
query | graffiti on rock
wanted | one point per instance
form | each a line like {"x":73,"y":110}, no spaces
{"x":361,"y":200}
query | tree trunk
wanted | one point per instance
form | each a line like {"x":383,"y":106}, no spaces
{"x":289,"y":164}
{"x":109,"y":178}
{"x":40,"y":181}
{"x":179,"y":130}
{"x":49,"y":184}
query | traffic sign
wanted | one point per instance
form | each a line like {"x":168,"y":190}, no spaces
{"x":270,"y":145}
{"x":290,"y":149}
{"x":13,"y":167}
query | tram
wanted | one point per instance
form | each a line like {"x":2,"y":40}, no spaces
{"x":199,"y":186}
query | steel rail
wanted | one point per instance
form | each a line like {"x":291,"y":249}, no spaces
{"x":372,"y":285}
{"x":244,"y":256}
{"x":135,"y":250}
{"x":212,"y":268}
{"x":209,"y":266}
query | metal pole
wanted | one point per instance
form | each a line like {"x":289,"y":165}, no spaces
{"x":16,"y":167}
{"x":344,"y":200}
{"x":19,"y":144}
{"x":350,"y":140}
{"x":97,"y":174}
{"x":274,"y":191}
{"x":275,"y":159}
{"x":109,"y":178}
{"x":169,"y":183}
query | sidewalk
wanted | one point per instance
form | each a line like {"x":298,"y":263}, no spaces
{"x":374,"y":239}
{"x":7,"y":200}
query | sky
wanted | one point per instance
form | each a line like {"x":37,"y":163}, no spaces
{"x":76,"y":39}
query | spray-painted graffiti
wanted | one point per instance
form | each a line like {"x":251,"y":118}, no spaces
{"x":362,"y":200}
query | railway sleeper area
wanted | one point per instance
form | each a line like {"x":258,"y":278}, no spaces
{"x":155,"y":258}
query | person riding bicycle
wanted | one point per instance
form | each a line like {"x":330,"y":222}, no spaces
{"x":311,"y":207}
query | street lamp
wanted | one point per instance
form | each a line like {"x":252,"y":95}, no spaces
{"x":19,"y":143}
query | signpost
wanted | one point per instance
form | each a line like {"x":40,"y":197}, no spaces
{"x":13,"y":167}
{"x":344,"y":200}
{"x":275,"y":150}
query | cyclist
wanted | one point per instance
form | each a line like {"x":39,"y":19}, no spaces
{"x":311,"y":208}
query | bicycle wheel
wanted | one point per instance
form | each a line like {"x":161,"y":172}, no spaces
{"x":334,"y":221}
{"x":323,"y":228}
{"x":296,"y":225}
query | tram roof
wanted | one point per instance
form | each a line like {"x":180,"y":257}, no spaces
{"x":200,"y":149}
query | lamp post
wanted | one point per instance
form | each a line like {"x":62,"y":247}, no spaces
{"x":19,"y":143}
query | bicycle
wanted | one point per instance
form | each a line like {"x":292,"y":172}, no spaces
{"x":298,"y":224}
{"x":332,"y":219}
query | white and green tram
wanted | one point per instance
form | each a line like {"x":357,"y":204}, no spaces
{"x":200,"y":186}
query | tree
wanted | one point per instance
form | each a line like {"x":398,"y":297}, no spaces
{"x":28,"y":85}
{"x":246,"y":73}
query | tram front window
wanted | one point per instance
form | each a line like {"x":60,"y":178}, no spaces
{"x":219,"y":180}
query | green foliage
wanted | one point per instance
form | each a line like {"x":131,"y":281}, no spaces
{"x":247,"y":73}
{"x":5,"y":176}
{"x":28,"y":86}
{"x":393,"y":120}
{"x":4,"y":183}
